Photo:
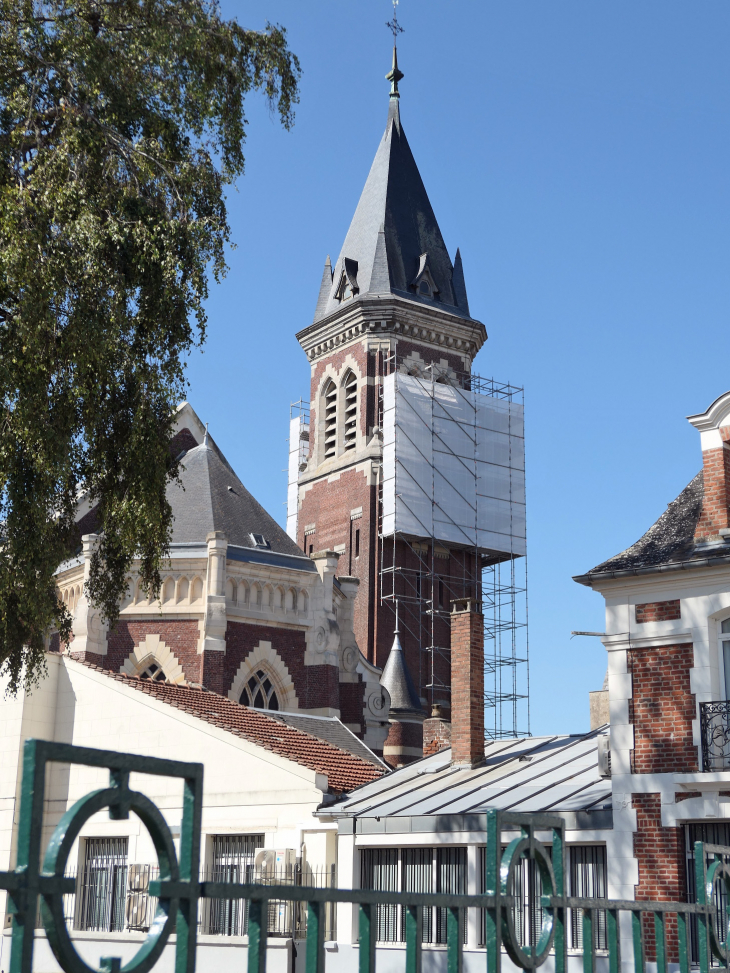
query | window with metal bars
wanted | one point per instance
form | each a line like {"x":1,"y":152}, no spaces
{"x":103,"y":886}
{"x":414,"y":870}
{"x":587,"y":880}
{"x":329,"y":398}
{"x":350,"y":385}
{"x":715,"y":833}
{"x":233,"y":861}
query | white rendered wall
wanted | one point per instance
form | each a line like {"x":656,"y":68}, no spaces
{"x":453,"y":465}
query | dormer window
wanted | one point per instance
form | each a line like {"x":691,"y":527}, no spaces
{"x":423,"y":283}
{"x":347,"y":286}
{"x":260,"y":541}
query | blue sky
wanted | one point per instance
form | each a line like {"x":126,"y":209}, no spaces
{"x":579,"y":155}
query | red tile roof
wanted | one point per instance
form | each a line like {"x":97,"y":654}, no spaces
{"x":344,"y":770}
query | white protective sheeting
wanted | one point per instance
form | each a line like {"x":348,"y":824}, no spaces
{"x":298,"y":449}
{"x":453,"y":465}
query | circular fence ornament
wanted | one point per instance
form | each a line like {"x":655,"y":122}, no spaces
{"x":120,"y":801}
{"x":717,"y":873}
{"x":529,"y":958}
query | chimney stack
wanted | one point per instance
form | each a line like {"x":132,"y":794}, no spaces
{"x":467,"y":683}
{"x":714,"y":428}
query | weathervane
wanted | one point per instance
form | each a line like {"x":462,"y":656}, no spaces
{"x":393,"y":24}
{"x":394,"y":75}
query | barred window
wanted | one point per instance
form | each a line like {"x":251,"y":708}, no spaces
{"x":414,"y":870}
{"x":587,"y":880}
{"x":103,"y":885}
{"x":714,"y":834}
{"x":233,"y":861}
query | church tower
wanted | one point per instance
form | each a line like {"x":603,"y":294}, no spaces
{"x":393,"y":304}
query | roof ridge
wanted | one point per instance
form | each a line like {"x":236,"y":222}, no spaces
{"x":175,"y":694}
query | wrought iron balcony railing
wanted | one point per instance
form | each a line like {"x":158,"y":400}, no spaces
{"x":715,"y":730}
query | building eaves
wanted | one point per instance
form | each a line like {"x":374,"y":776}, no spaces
{"x":532,"y":774}
{"x":343,"y":769}
{"x":668,"y":545}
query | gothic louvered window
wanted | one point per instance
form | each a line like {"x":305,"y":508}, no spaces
{"x":103,"y":885}
{"x":259,"y":692}
{"x":414,"y":870}
{"x":330,"y":420}
{"x":350,"y":410}
{"x":153,"y":672}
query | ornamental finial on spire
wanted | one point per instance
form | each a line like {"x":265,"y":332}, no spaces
{"x":394,"y":75}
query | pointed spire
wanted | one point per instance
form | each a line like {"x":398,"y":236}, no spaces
{"x":380,"y":278}
{"x":459,"y":284}
{"x":397,"y":679}
{"x":324,"y":290}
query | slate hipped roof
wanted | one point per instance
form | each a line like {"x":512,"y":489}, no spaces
{"x":669,"y":543}
{"x":344,"y":769}
{"x":211,"y":497}
{"x":394,"y":233}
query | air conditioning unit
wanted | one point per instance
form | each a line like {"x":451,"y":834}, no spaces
{"x":138,"y":878}
{"x":274,"y":862}
{"x":136,"y":911}
{"x":604,"y":756}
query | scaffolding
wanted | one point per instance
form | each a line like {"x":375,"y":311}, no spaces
{"x":452,"y":525}
{"x":298,"y":452}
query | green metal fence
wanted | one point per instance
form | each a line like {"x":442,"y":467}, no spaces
{"x":180,"y":889}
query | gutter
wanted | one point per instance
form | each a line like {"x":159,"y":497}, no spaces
{"x":672,"y":566}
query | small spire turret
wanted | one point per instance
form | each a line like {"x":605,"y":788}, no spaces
{"x":394,"y":75}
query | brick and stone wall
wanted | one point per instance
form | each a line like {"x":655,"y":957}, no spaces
{"x":317,"y":687}
{"x":436,"y":736}
{"x":658,"y":611}
{"x":179,"y":635}
{"x":715,"y":514}
{"x":662,"y":709}
{"x":467,"y":687}
{"x":660,"y":854}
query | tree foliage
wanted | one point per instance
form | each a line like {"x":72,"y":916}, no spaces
{"x":121,"y":123}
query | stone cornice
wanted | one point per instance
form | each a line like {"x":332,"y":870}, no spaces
{"x":373,"y":452}
{"x":389,"y":315}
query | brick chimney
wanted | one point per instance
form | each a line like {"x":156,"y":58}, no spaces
{"x":714,"y":428}
{"x":467,"y":683}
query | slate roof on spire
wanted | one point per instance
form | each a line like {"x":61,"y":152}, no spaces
{"x":211,"y":497}
{"x":395,"y":201}
{"x":397,"y":680}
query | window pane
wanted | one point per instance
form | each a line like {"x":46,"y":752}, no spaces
{"x":726,"y":661}
{"x":417,"y":869}
{"x":587,"y":879}
{"x":450,"y":879}
{"x":379,"y":867}
{"x":103,"y":885}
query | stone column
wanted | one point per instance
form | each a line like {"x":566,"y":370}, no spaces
{"x":89,"y":637}
{"x":213,"y":643}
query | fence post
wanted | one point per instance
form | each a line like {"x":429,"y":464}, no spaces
{"x":493,"y":919}
{"x":315,"y":936}
{"x":368,"y":932}
{"x":413,"y":939}
{"x":258,"y":928}
{"x":453,"y":940}
{"x":703,"y":919}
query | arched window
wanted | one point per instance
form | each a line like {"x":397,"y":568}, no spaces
{"x":329,"y":398}
{"x":259,"y":692}
{"x":350,"y":385}
{"x":153,"y":672}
